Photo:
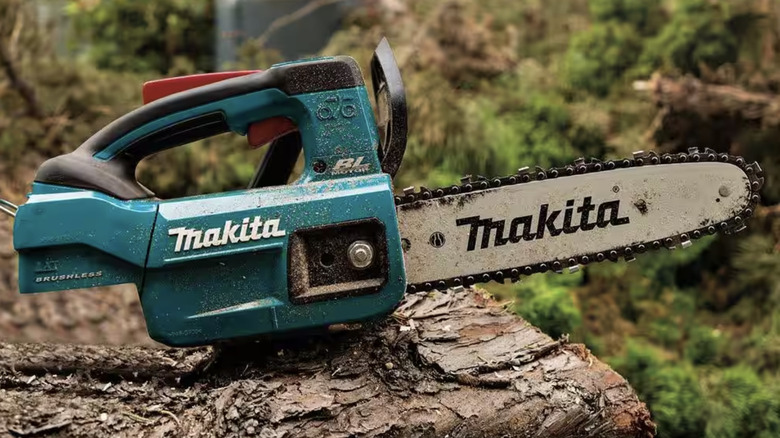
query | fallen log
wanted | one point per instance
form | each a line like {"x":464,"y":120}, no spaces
{"x":446,"y":364}
{"x":712,"y":100}
{"x":693,"y":113}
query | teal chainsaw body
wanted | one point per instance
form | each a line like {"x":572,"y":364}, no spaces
{"x":221,"y":266}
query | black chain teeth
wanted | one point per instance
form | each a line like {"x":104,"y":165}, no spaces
{"x":580,"y":167}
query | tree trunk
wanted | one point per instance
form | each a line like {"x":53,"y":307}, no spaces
{"x":445,"y":364}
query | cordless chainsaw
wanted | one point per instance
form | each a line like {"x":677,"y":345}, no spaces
{"x":337,"y":244}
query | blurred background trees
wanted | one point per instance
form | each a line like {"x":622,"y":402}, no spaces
{"x":492,"y":85}
{"x":142,"y":37}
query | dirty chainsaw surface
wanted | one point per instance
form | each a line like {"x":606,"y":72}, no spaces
{"x":447,"y":363}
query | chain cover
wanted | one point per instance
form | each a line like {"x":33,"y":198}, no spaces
{"x":561,"y":218}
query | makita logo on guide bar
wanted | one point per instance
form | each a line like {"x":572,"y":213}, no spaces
{"x":244,"y":231}
{"x":524,"y":228}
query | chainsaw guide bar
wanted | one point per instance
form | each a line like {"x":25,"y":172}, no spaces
{"x":501,"y":222}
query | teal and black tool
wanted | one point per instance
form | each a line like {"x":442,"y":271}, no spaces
{"x":322,"y":250}
{"x":336,"y":245}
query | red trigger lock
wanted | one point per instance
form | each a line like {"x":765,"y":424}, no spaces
{"x":268,"y":130}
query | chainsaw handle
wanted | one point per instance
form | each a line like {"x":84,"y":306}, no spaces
{"x":325,"y":98}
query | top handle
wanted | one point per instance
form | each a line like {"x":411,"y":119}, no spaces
{"x":278,"y":163}
{"x":325,"y":98}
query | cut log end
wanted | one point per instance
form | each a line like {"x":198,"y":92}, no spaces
{"x":449,"y":363}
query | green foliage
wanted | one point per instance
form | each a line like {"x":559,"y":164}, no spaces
{"x":742,"y":406}
{"x":494,"y":132}
{"x":509,"y":132}
{"x":146,"y":36}
{"x":638,"y":363}
{"x":647,"y":291}
{"x":597,"y":58}
{"x":697,"y":36}
{"x":547,"y":303}
{"x":761,"y":349}
{"x":643,"y":15}
{"x":757,"y":262}
{"x":703,"y":345}
{"x":672,"y":392}
{"x":759,"y":144}
{"x":633,"y":38}
{"x":676,"y":401}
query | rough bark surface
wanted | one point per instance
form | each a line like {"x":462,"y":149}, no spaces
{"x":446,"y":364}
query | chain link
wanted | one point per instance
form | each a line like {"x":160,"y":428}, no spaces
{"x":470,"y":184}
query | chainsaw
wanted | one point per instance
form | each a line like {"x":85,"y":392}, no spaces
{"x":336,"y":245}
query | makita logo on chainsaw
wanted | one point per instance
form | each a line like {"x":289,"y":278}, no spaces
{"x":349,"y":165}
{"x":233,"y":232}
{"x":524,"y":228}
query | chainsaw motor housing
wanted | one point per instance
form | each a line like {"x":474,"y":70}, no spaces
{"x":324,"y":249}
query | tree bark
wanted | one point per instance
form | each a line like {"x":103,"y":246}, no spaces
{"x":446,"y":364}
